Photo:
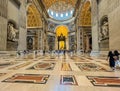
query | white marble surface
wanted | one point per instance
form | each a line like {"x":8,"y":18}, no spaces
{"x":53,"y":83}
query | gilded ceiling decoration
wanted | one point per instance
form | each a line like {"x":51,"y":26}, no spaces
{"x":49,"y":3}
{"x":85,"y":15}
{"x":60,"y":7}
{"x":33,"y":17}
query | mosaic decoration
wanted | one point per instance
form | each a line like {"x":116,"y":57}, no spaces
{"x":90,"y":67}
{"x":28,"y":78}
{"x":2,"y":74}
{"x":68,"y":80}
{"x":66,"y":67}
{"x":104,"y":81}
{"x":6,"y":64}
{"x":43,"y":66}
{"x":20,"y":66}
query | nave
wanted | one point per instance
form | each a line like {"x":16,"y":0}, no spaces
{"x":57,"y":73}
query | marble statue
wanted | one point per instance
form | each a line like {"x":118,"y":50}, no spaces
{"x":11,"y":32}
{"x":104,"y":33}
{"x":105,"y":29}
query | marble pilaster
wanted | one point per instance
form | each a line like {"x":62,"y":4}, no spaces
{"x":95,"y":44}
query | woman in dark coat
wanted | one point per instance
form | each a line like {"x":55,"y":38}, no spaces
{"x":111,"y":60}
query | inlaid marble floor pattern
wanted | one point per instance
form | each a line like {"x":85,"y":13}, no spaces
{"x":58,"y":74}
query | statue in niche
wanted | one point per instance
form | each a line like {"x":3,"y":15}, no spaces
{"x":12,"y":32}
{"x":104,"y":33}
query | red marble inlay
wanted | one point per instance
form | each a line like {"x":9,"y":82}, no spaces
{"x":38,"y":79}
{"x":104,"y":81}
{"x":28,"y":78}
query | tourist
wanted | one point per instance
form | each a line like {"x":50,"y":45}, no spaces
{"x":116,"y":58}
{"x":43,"y":52}
{"x":111,"y":60}
{"x":64,"y":52}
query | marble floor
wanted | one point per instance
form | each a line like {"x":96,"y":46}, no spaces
{"x":76,"y":73}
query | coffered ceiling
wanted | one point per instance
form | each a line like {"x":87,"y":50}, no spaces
{"x":33,"y":17}
{"x":49,"y":3}
{"x":85,"y":15}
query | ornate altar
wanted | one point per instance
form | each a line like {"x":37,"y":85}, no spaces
{"x":63,"y":39}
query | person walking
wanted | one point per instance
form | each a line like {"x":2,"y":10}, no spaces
{"x":43,"y":52}
{"x":116,"y":58}
{"x":111,"y":60}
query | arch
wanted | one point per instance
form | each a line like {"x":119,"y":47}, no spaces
{"x":33,"y":16}
{"x":85,"y":14}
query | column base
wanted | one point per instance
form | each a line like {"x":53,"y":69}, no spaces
{"x":95,"y":54}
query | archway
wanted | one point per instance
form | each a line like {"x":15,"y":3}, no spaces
{"x":62,"y":37}
{"x":85,"y":26}
{"x":33,"y":17}
{"x":34,"y":25}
